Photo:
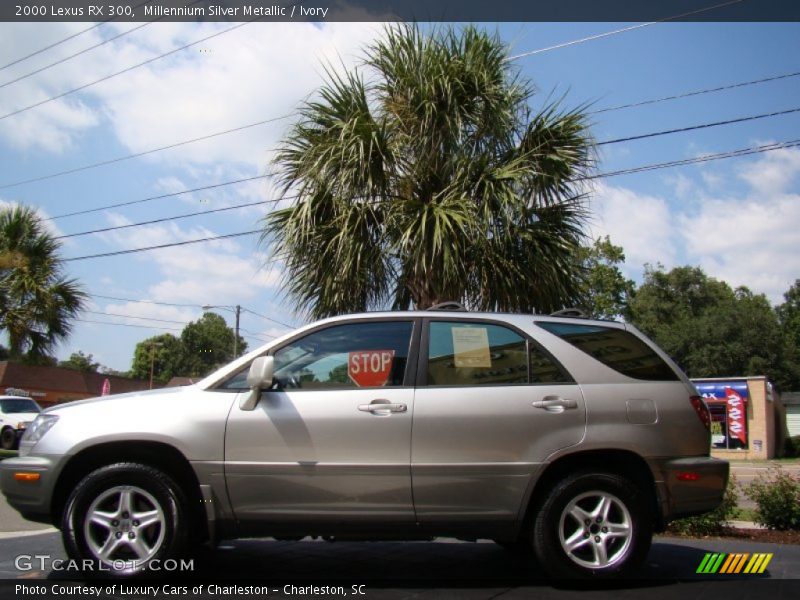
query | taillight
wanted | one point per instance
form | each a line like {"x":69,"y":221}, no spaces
{"x":702,"y":411}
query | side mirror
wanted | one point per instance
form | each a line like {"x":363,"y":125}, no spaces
{"x":259,"y":378}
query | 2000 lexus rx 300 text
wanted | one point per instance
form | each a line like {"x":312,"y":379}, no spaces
{"x":574,"y":437}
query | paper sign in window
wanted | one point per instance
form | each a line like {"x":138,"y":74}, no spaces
{"x":370,"y":368}
{"x":471,"y":347}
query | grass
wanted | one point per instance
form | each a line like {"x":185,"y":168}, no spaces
{"x":7,"y":454}
{"x":744,"y":514}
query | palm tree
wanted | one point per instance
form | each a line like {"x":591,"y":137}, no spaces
{"x":426,"y":176}
{"x":37,"y":303}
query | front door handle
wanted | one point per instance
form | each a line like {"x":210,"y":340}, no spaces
{"x":382,"y":407}
{"x":555,"y":404}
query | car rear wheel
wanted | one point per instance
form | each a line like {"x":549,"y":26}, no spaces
{"x":122,"y":517}
{"x":593,"y":525}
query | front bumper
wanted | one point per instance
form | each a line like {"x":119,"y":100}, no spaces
{"x":689,"y":486}
{"x":31,"y":498}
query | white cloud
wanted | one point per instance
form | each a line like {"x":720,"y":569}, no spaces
{"x":224,"y":272}
{"x":747,"y":239}
{"x":255,"y":72}
{"x":641,"y":224}
{"x":751,"y":240}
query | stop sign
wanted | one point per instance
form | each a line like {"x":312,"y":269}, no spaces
{"x":370,"y":368}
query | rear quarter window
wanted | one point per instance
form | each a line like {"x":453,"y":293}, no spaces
{"x":616,"y":348}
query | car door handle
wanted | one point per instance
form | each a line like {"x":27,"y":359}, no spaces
{"x":555,"y":404}
{"x":382,"y":407}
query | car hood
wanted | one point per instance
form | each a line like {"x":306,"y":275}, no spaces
{"x":165,"y":394}
{"x":15,"y":418}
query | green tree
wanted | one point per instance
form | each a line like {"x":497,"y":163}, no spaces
{"x":789,"y":317}
{"x":425,"y":175}
{"x":605,"y":290}
{"x":80,"y":362}
{"x":708,"y":328}
{"x":207,"y":344}
{"x":37,"y":302}
{"x":166,"y":352}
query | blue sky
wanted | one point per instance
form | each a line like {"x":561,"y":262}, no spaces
{"x":736,"y":218}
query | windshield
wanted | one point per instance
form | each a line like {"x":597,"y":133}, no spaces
{"x":19,"y":405}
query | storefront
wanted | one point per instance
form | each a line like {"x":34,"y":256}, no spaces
{"x":748,"y":420}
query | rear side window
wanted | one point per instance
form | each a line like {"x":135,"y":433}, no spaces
{"x":615,"y":348}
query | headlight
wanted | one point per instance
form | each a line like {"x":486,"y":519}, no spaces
{"x":23,"y":424}
{"x":36,"y":431}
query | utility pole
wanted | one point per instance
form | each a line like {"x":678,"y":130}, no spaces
{"x":236,"y":333}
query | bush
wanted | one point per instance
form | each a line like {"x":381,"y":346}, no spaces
{"x":777,"y":496}
{"x":711,"y":523}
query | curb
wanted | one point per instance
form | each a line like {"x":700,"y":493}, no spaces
{"x":14,"y":534}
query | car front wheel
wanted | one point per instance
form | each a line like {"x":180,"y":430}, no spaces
{"x":122,"y":517}
{"x":593,"y":525}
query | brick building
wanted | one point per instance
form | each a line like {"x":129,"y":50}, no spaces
{"x":52,"y":385}
{"x":748,"y":419}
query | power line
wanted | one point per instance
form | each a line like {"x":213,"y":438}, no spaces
{"x":618,"y":31}
{"x":66,"y":39}
{"x":144,"y":152}
{"x":146,"y":301}
{"x":160,"y":246}
{"x":252,"y":312}
{"x":129,"y":325}
{"x":175,"y":218}
{"x":235,"y":181}
{"x":125,"y":70}
{"x":701,"y":126}
{"x":731,"y":154}
{"x":53,"y":45}
{"x":71,"y":56}
{"x":108,"y":314}
{"x":159,"y":197}
{"x":694,"y":93}
{"x":698,"y":159}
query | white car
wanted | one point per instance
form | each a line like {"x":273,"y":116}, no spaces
{"x":16,"y":412}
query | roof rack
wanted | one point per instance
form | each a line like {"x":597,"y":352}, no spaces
{"x":574,"y":313}
{"x":449,"y":305}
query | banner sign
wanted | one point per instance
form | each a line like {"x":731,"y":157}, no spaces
{"x":370,"y":368}
{"x":734,"y":395}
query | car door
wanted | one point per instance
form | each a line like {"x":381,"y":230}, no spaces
{"x":332,"y":439}
{"x":490,"y":407}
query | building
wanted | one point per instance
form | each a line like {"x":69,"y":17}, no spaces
{"x":791,"y":400}
{"x":52,"y":385}
{"x":748,"y":419}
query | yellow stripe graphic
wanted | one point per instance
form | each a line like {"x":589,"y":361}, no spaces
{"x":767,"y":558}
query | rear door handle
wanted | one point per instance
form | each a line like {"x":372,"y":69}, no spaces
{"x":555,"y":404}
{"x":382,"y":407}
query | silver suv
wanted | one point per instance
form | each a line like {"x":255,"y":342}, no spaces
{"x":571,"y":437}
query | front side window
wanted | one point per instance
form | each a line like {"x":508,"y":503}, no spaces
{"x":463,"y":353}
{"x":368,"y":354}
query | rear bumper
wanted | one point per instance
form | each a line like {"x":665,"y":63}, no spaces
{"x":689,"y":486}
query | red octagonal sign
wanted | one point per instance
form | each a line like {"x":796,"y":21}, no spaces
{"x":370,"y":368}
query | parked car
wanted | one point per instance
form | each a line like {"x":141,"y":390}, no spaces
{"x":16,"y":413}
{"x":572,"y":437}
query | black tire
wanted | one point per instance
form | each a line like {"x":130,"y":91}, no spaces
{"x":152,"y":495}
{"x":556,"y":520}
{"x":8,"y":439}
